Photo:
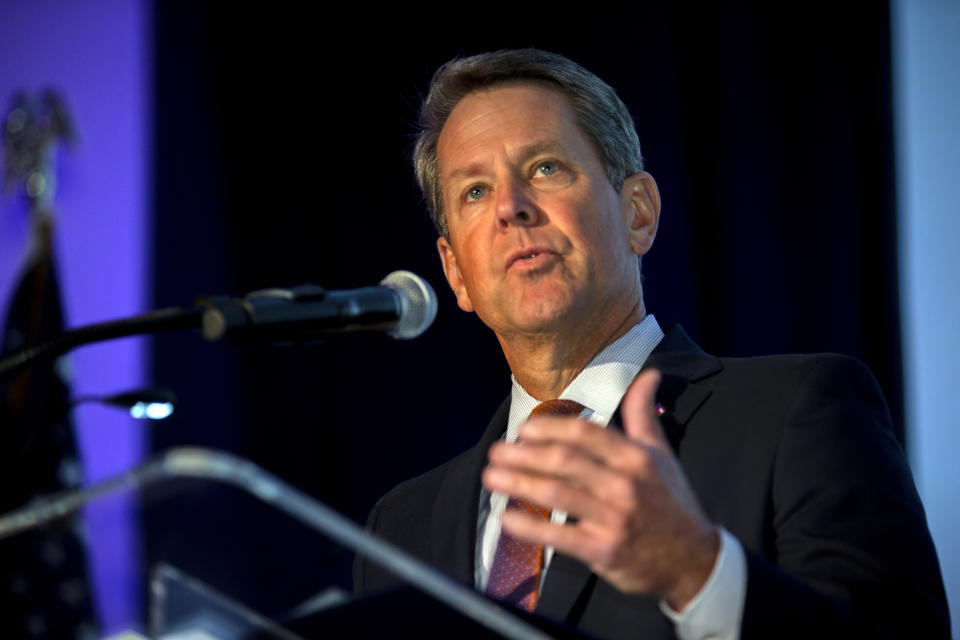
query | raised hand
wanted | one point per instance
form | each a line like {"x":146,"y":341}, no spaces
{"x":638,"y":524}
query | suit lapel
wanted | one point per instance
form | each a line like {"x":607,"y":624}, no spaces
{"x":682,"y":364}
{"x":453,"y":527}
{"x":570,"y":583}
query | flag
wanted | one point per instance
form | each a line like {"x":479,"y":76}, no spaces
{"x":44,"y":589}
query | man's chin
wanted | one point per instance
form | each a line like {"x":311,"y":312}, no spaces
{"x":548,"y":309}
{"x":545,"y":320}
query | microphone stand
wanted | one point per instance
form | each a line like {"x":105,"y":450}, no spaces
{"x":301,"y":312}
{"x":166,"y":319}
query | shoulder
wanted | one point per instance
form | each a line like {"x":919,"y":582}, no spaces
{"x":798,"y":368}
{"x":771,"y":396}
{"x":680,"y":356}
{"x":791,"y":384}
{"x":411,"y":514}
{"x":801,"y":383}
{"x":419,"y":494}
{"x":409,"y":504}
{"x":776,"y":430}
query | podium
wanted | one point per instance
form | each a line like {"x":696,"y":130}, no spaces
{"x":184,"y":607}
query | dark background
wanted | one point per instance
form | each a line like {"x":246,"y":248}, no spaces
{"x":282,"y":156}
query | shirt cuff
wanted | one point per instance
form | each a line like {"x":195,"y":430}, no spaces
{"x":715,"y":613}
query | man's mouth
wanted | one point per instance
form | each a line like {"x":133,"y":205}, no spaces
{"x":527,"y":255}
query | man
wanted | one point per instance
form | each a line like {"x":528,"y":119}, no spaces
{"x":758,"y":497}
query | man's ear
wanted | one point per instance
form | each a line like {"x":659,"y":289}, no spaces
{"x":641,"y":208}
{"x":452,"y":272}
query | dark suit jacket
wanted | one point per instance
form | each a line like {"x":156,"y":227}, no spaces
{"x":794,"y":455}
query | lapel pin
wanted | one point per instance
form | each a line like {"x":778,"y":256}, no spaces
{"x":659,"y":409}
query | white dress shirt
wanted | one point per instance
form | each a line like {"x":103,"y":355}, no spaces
{"x":716,"y":611}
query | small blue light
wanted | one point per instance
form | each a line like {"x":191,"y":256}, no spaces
{"x":151,"y":410}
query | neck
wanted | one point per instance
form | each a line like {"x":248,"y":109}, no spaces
{"x":545,"y":364}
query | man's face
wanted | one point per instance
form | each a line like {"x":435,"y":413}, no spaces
{"x":540,"y":241}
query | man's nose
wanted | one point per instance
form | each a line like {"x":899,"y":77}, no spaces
{"x":514,"y":205}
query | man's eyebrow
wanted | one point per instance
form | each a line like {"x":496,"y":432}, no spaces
{"x":537,"y":148}
{"x":523,"y":153}
{"x":465,"y":171}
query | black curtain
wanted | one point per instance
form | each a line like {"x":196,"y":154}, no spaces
{"x":282,"y":156}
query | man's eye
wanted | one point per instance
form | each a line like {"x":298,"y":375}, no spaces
{"x":547,"y":168}
{"x":476,"y":192}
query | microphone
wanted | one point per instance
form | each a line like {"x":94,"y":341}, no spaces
{"x":403,"y":304}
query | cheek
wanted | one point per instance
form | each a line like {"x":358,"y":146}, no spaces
{"x":472,"y":270}
{"x":475,"y":253}
{"x":607,"y":244}
{"x":597,"y":227}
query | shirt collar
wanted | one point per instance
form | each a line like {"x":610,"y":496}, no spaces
{"x":602,"y":383}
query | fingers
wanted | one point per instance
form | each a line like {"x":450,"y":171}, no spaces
{"x":567,"y":463}
{"x":594,"y":496}
{"x":639,"y":524}
{"x":607,"y":446}
{"x":561,"y":459}
{"x":640,"y":421}
{"x":584,"y":541}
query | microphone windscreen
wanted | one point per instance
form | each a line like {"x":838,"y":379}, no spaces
{"x":418,"y":303}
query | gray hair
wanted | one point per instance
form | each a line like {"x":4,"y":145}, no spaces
{"x":600,"y":114}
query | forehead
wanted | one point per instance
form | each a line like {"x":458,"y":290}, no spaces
{"x":507,"y":117}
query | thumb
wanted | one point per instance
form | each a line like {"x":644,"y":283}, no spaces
{"x":640,"y":421}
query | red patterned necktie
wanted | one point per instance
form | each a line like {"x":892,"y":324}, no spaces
{"x":517,"y":565}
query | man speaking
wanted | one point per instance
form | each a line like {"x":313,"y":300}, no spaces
{"x":632,"y":485}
